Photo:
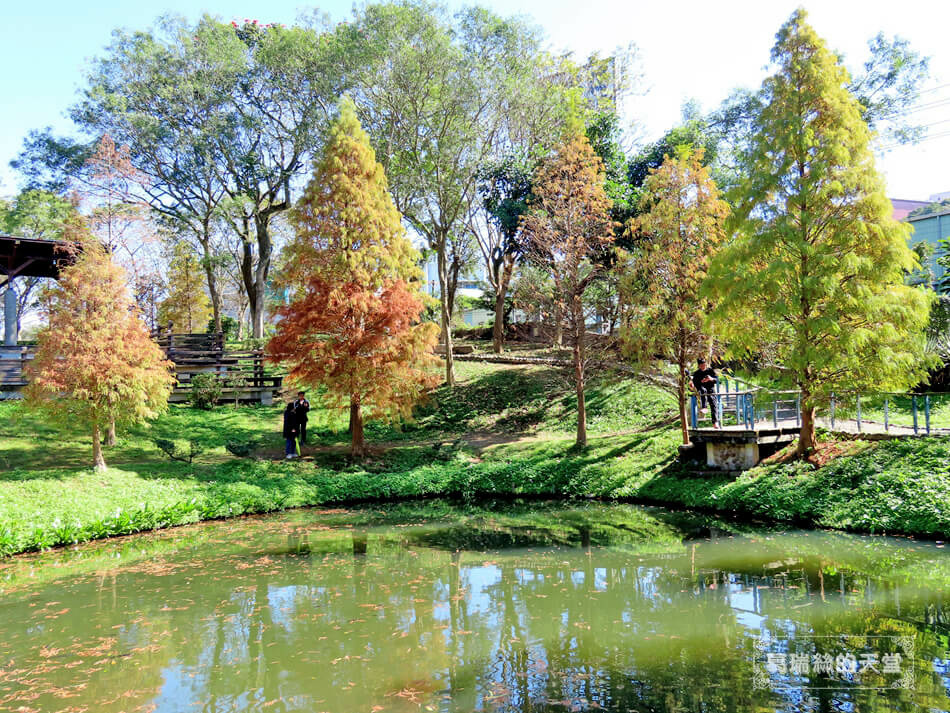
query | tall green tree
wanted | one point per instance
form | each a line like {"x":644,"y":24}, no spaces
{"x":504,"y":187}
{"x":434,"y":92}
{"x":242,"y":109}
{"x":816,"y":270}
{"x":187,"y":307}
{"x":683,"y":226}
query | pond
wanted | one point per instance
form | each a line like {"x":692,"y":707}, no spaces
{"x":432,"y":606}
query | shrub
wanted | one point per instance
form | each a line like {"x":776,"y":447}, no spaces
{"x":176,"y":450}
{"x":205,"y":390}
{"x":241,"y":449}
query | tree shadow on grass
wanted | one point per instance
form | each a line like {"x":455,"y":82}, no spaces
{"x":31,"y":445}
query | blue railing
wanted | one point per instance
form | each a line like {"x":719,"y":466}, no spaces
{"x":888,"y":409}
{"x":900,"y":413}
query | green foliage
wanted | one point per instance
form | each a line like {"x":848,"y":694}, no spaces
{"x":815,"y":276}
{"x":930,"y":209}
{"x":205,"y":390}
{"x":49,"y":499}
{"x":39,"y":215}
{"x":691,"y":137}
{"x":604,"y":134}
{"x":229,"y":327}
{"x":176,"y":450}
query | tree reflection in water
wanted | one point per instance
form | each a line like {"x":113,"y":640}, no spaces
{"x":540,"y":607}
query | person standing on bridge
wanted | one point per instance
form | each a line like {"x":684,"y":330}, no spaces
{"x":703,"y":382}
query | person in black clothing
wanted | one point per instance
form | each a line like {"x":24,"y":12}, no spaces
{"x":302,"y":406}
{"x":703,"y":382}
{"x":291,"y":430}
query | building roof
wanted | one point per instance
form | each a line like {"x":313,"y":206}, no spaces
{"x":29,"y":257}
{"x":914,"y":219}
{"x":903,"y":207}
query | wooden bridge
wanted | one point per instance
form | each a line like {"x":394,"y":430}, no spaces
{"x":753,"y":420}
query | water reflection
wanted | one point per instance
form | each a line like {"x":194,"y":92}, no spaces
{"x":515,"y":608}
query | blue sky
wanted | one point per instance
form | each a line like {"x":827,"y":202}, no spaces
{"x":688,"y":49}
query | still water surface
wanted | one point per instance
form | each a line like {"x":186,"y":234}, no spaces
{"x":434,"y":607}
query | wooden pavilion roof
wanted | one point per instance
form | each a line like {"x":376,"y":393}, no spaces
{"x":29,"y":257}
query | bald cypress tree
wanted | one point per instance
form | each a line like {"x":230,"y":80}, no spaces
{"x":352,"y":326}
{"x":95,"y":364}
{"x":815,"y":273}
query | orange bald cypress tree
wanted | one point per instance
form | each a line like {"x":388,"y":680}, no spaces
{"x":95,"y":362}
{"x":352,"y":326}
{"x":568,"y":232}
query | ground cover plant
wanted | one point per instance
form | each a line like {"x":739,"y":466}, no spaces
{"x":504,"y":430}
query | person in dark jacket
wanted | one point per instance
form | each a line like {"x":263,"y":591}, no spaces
{"x":291,"y":430}
{"x":302,"y":406}
{"x":704,"y":384}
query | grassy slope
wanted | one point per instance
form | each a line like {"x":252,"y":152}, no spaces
{"x":48,"y":497}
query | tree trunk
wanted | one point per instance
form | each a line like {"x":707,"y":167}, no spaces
{"x":558,"y":324}
{"x":110,"y":433}
{"x":579,"y":349}
{"x":264,"y":248}
{"x":681,"y":396}
{"x":498,"y":328}
{"x":254,"y":275}
{"x":806,"y":440}
{"x":501,"y":290}
{"x":98,"y":462}
{"x":358,"y":443}
{"x":446,"y":314}
{"x":353,"y":415}
{"x":208,"y":264}
{"x":247,"y":273}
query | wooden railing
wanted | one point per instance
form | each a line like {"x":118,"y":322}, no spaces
{"x":237,"y":371}
{"x":11,"y":367}
{"x":184,"y":345}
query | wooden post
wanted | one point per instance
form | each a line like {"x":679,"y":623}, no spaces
{"x":775,"y":413}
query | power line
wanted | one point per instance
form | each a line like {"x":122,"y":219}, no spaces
{"x":914,"y":109}
{"x":929,"y":137}
{"x":933,"y":89}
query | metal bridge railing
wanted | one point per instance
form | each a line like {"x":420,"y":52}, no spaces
{"x":879,"y":412}
{"x":748,"y":408}
{"x":920,"y":413}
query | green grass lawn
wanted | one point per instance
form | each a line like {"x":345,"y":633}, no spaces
{"x":49,"y":496}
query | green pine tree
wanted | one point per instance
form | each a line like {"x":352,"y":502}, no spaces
{"x":815,"y":274}
{"x":187,"y":306}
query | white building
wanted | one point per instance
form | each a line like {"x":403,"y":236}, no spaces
{"x":470,"y":285}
